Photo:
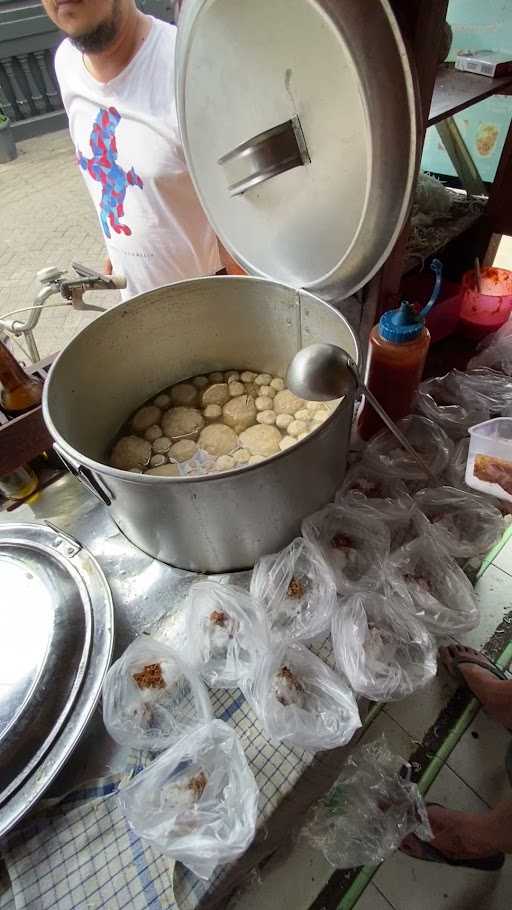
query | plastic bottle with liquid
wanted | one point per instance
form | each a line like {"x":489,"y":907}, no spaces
{"x":398,"y":348}
{"x":19,"y":391}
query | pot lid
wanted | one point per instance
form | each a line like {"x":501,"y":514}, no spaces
{"x":50,"y":590}
{"x":298,"y":120}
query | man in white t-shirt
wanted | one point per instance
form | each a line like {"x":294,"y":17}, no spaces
{"x":116,"y":74}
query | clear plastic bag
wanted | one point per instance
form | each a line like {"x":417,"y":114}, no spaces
{"x":395,"y":507}
{"x":369,"y":811}
{"x":353,"y":543}
{"x":297,"y":589}
{"x":496,"y":351}
{"x":152,"y":697}
{"x":385,"y":455}
{"x":456,"y":468}
{"x":300,"y":701}
{"x":198,"y":801}
{"x":445,"y":401}
{"x":488,"y":387}
{"x":464,"y":524}
{"x":361,"y":482}
{"x":384,"y":651}
{"x":436,"y":588}
{"x":226,"y":630}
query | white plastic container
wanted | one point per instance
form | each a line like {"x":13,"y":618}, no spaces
{"x":491,"y":448}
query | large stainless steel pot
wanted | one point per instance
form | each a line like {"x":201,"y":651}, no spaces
{"x":212,"y":523}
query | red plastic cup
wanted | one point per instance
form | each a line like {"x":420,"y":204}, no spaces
{"x":485,"y":311}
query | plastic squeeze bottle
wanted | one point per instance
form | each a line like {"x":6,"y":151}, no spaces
{"x":398,"y":348}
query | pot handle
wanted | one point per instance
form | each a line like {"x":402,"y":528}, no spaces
{"x":271,"y":152}
{"x":86,"y":476}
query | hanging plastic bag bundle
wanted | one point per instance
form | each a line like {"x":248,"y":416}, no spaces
{"x":464,"y":524}
{"x":198,"y":801}
{"x":436,"y":588}
{"x":152,"y":697}
{"x":399,"y":512}
{"x":353,"y":543}
{"x":226,"y":631}
{"x":445,"y":401}
{"x":384,"y":454}
{"x":496,"y":351}
{"x":384,"y":651}
{"x":300,"y":701}
{"x":369,"y":811}
{"x":297,"y":590}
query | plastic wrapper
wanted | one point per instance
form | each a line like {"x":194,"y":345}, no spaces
{"x":198,"y":801}
{"x":226,"y":630}
{"x":485,"y":386}
{"x":300,"y":701}
{"x":297,"y":589}
{"x":353,"y":543}
{"x":369,"y":811}
{"x":436,"y":588}
{"x":448,"y":404}
{"x":384,"y":453}
{"x":464,"y":524}
{"x":152,"y":697}
{"x":386,"y":499}
{"x":384,"y":651}
{"x":496,"y":351}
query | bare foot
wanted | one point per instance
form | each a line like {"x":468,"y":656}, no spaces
{"x":494,"y":694}
{"x":457,"y":835}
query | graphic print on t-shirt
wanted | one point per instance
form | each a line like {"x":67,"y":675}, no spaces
{"x":104,"y":168}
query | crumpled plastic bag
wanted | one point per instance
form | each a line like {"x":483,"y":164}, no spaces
{"x":445,"y":401}
{"x":370,"y":810}
{"x":495,"y":351}
{"x":436,"y":588}
{"x":300,"y":701}
{"x":362,"y":482}
{"x":384,"y":651}
{"x":226,"y":630}
{"x":353,"y":543}
{"x":397,"y":509}
{"x":298,"y":591}
{"x":456,"y":469}
{"x":198,"y":801}
{"x":488,"y":387}
{"x":464,"y":524}
{"x":385,"y":455}
{"x":152,"y":697}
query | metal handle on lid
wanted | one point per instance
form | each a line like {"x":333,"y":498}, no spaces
{"x":271,"y":152}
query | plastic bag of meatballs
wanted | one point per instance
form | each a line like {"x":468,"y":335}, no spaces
{"x":198,"y":801}
{"x":152,"y":697}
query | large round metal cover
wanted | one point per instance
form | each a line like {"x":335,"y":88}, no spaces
{"x":299,"y":122}
{"x":56,"y":633}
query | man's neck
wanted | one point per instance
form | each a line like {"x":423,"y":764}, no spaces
{"x":107,"y":64}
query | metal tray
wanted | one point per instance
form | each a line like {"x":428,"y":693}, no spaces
{"x":56,"y":636}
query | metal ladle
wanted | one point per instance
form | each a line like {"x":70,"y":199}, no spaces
{"x":323,"y":372}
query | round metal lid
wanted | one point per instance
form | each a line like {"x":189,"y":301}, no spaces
{"x":56,"y":631}
{"x":298,"y":119}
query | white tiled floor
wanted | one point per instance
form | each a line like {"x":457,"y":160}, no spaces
{"x":473,"y":779}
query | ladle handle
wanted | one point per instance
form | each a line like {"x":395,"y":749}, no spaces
{"x":396,"y":432}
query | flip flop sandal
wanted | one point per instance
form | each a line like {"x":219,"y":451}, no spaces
{"x":484,"y":662}
{"x":430,"y":854}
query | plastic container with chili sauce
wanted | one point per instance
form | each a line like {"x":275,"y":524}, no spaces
{"x":398,"y":348}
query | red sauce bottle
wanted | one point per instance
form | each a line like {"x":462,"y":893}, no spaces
{"x":398,"y":348}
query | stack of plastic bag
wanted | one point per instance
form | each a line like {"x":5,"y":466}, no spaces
{"x":226,"y":631}
{"x":465,"y":524}
{"x":198,"y":801}
{"x":445,"y":401}
{"x":435,"y":587}
{"x":370,"y":810}
{"x":297,"y":590}
{"x":152,"y":697}
{"x":354,"y":545}
{"x":384,"y":651}
{"x":384,"y":455}
{"x":300,"y":701}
